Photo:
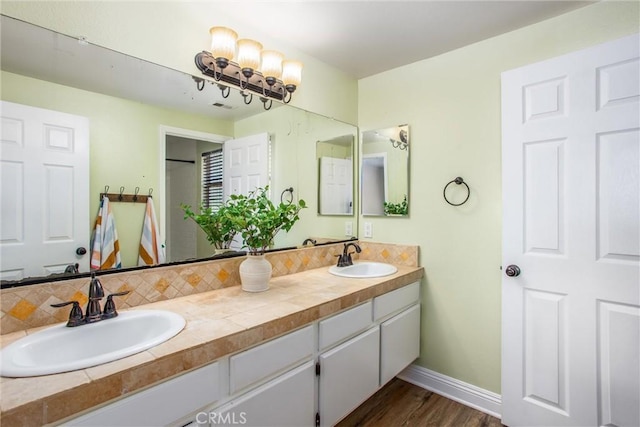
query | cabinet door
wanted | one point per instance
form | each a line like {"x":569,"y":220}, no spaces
{"x":348,"y":376}
{"x":399,"y":343}
{"x":288,"y":400}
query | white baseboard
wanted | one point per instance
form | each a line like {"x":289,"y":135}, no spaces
{"x":467,"y":394}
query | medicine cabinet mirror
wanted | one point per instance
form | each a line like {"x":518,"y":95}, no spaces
{"x":385,"y":172}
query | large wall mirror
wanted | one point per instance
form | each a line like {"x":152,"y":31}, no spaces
{"x":148,"y":128}
{"x":385,"y":172}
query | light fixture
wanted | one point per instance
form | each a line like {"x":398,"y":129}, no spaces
{"x":263,"y":72}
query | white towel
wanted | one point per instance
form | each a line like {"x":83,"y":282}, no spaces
{"x":105,"y":248}
{"x":151,"y":247}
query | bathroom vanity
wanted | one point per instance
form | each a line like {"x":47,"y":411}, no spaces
{"x":306,"y":352}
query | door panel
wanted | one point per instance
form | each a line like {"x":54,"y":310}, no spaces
{"x":618,"y":156}
{"x":571,"y":222}
{"x":618,"y":364}
{"x":246,"y":165}
{"x":45,"y":191}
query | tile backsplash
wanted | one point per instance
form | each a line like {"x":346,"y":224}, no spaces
{"x":29,"y":306}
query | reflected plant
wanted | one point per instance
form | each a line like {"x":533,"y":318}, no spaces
{"x":258,"y":219}
{"x":217,"y":224}
{"x":401,"y":208}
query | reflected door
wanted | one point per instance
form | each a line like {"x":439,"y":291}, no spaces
{"x":571,"y":164}
{"x":336,"y":186}
{"x":44,"y":223}
{"x":246,"y":164}
{"x":246,"y":167}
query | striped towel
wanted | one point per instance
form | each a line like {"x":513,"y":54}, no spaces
{"x":151,"y":247}
{"x":105,"y":249}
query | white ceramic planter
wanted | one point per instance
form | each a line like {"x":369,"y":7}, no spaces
{"x":255,"y":273}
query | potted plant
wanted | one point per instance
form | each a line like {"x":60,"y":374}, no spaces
{"x":258,"y":220}
{"x":216,"y":223}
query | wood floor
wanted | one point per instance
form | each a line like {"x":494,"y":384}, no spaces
{"x":402,"y":404}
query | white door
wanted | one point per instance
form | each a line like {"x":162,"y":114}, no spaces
{"x":246,"y":164}
{"x":336,"y":186}
{"x":571,"y":200}
{"x":246,"y":167}
{"x":44,"y":191}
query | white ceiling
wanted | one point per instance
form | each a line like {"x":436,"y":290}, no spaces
{"x":363,"y":38}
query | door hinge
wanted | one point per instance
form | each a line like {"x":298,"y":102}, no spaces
{"x":318,"y":369}
{"x":317,"y":419}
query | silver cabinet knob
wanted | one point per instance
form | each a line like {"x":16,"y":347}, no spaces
{"x":512,"y":271}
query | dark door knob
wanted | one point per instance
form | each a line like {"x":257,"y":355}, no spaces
{"x":512,"y":271}
{"x":81,"y":251}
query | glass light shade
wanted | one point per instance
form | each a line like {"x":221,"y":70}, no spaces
{"x":249,"y":54}
{"x":223,"y":42}
{"x":271,"y":64}
{"x":291,"y":73}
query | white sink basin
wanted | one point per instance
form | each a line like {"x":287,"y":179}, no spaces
{"x":364,"y":270}
{"x":61,"y":349}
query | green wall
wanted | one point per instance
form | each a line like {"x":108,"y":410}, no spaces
{"x":454,"y":119}
{"x":124,"y":144}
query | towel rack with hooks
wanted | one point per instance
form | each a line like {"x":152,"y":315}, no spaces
{"x":126,"y":198}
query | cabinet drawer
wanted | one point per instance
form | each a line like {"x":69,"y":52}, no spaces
{"x":270,"y":358}
{"x":161,"y":404}
{"x":395,"y":301}
{"x":344,"y":325}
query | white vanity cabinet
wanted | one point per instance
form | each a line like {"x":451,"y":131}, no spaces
{"x":355,"y":369}
{"x":315,"y":375}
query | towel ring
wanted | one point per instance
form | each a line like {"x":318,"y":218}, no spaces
{"x":287,"y":190}
{"x":458,"y":181}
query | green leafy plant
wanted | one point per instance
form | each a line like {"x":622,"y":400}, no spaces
{"x":217,"y":224}
{"x":258,"y":219}
{"x":396,"y":208}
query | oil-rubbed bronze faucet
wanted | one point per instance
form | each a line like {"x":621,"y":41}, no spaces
{"x":93,"y":313}
{"x":344,"y":259}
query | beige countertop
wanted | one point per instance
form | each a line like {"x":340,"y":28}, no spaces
{"x":219,"y":323}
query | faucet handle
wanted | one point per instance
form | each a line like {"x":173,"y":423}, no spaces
{"x":110,"y":306}
{"x":75,"y":315}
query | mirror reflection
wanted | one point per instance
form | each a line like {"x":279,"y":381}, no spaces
{"x":385,"y":172}
{"x":335,"y":176}
{"x":148,"y":128}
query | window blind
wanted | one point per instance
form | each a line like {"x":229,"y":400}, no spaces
{"x":212,"y":195}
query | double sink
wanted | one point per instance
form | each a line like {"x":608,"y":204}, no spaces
{"x":61,"y":349}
